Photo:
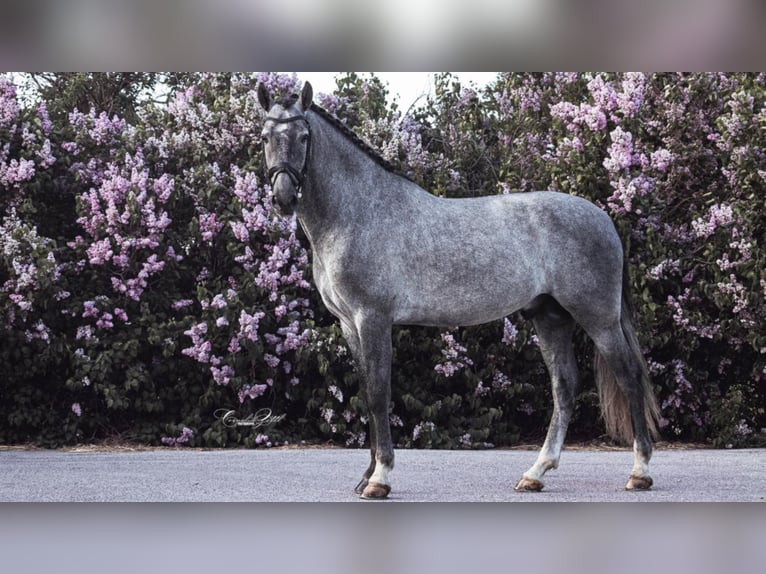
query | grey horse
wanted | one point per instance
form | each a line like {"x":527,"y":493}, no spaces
{"x":386,"y":252}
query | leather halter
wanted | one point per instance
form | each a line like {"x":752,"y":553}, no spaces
{"x":296,"y":177}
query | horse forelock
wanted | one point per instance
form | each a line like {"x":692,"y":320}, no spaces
{"x":288,"y":100}
{"x":285,"y":108}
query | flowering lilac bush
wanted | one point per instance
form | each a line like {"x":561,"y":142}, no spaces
{"x":182,"y":292}
{"x":146,"y":281}
{"x":678,"y":162}
{"x":32,"y":342}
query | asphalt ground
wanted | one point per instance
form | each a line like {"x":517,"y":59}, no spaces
{"x":329,"y":475}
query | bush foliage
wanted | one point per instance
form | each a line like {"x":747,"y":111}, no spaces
{"x":146,"y":282}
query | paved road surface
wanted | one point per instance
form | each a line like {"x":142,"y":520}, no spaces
{"x":176,"y":475}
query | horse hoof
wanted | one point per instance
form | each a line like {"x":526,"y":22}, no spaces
{"x":375,"y":491}
{"x":359,"y":488}
{"x":528,"y":485}
{"x":639,"y":483}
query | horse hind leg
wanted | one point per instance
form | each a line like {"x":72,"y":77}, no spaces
{"x":554,"y":326}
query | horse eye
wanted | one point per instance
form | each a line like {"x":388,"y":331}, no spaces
{"x":304,"y":138}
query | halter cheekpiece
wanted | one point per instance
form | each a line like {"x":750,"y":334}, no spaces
{"x":297,"y":177}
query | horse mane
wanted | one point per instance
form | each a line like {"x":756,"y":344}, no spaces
{"x":363,"y":145}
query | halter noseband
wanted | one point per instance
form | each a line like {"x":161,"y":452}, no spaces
{"x":296,"y":177}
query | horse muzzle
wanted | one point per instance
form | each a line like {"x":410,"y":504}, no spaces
{"x":286,"y":193}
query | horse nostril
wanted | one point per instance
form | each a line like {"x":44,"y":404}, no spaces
{"x":286,"y":199}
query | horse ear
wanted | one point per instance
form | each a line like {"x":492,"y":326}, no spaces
{"x":307,"y":95}
{"x":263,"y":97}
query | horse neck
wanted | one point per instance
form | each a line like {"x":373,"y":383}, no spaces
{"x":343,"y":183}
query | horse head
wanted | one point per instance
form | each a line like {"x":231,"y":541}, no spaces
{"x":286,"y":139}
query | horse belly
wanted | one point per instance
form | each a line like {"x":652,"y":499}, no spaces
{"x":449,"y":294}
{"x":464,"y":316}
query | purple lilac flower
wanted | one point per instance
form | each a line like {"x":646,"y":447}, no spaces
{"x":719,"y":215}
{"x":661,"y":160}
{"x":90,"y":309}
{"x":620,"y":151}
{"x":17,"y":171}
{"x":183,"y":438}
{"x":9,"y":106}
{"x":253,"y":392}
{"x":454,"y":355}
{"x":222,"y":376}
{"x":209,"y":226}
{"x":510,"y":332}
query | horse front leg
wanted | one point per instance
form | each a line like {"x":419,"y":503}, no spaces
{"x":373,"y":358}
{"x":352,"y":339}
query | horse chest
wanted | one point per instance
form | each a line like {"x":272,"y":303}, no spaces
{"x":329,"y":285}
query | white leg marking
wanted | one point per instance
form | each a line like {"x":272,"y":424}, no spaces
{"x":549,"y":455}
{"x":381,"y":474}
{"x":546,"y":460}
{"x":640,"y":463}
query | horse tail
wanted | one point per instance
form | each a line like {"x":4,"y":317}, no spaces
{"x":615,"y":407}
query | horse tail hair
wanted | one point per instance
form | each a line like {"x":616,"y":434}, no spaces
{"x":615,"y":408}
